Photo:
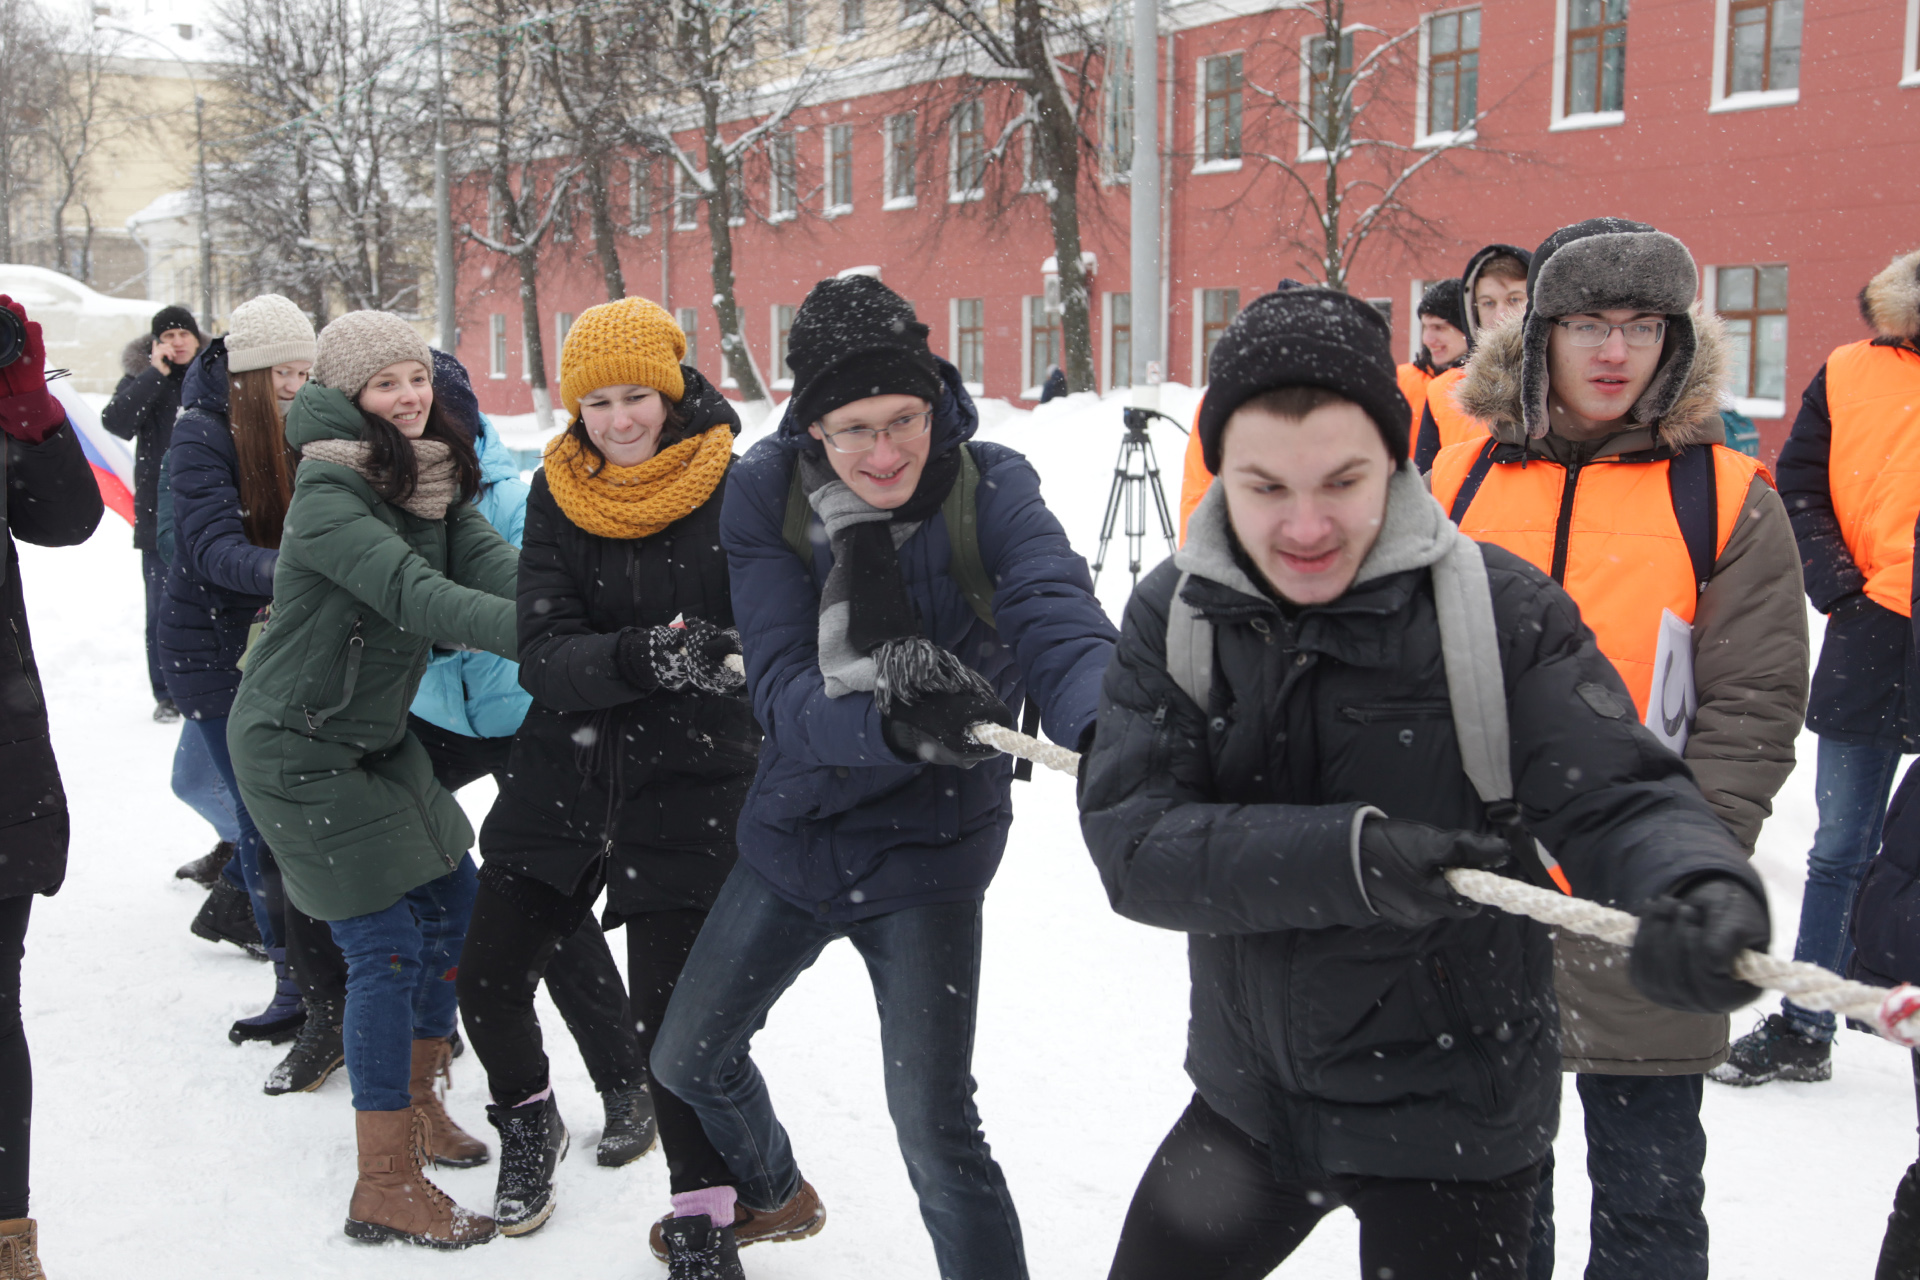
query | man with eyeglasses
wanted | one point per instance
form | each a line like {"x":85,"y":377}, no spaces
{"x":1493,"y":290}
{"x":1606,"y":469}
{"x":895,"y":584}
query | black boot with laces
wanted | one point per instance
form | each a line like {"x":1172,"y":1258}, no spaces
{"x":630,"y":1126}
{"x":533,"y":1139}
{"x":206,"y":868}
{"x":696,"y":1250}
{"x":227,"y":916}
{"x":1774,"y":1050}
{"x":318,"y":1051}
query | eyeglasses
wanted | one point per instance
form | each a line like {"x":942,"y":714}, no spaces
{"x":1594,"y":333}
{"x":907,"y":427}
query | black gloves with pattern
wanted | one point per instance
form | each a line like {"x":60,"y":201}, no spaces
{"x":933,"y":729}
{"x":689,"y":656}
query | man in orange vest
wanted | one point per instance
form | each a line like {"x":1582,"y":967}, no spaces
{"x":1493,"y":289}
{"x":1605,"y":468}
{"x":1850,"y":475}
{"x":1443,"y":344}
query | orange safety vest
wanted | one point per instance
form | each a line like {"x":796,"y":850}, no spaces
{"x":1194,"y":476}
{"x":1456,"y":426}
{"x":1413,"y":385}
{"x":1609,"y":532}
{"x":1873,"y":463}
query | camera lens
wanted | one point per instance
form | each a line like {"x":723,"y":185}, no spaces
{"x":13,"y":337}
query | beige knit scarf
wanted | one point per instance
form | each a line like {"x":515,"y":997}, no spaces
{"x":436,"y":479}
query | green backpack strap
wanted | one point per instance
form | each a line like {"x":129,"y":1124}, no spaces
{"x":964,"y":563}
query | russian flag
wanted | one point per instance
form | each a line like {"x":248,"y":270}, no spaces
{"x":107,"y":453}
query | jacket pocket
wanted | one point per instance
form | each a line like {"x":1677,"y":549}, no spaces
{"x":345,"y":664}
{"x":1391,"y":712}
{"x":28,"y":672}
{"x":1462,"y":1036}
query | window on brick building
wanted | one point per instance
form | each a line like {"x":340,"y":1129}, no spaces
{"x":1763,"y":46}
{"x":794,"y":28}
{"x":853,"y":17}
{"x":1453,"y":71}
{"x":1596,"y":56}
{"x":970,"y":339}
{"x":839,"y":169}
{"x":639,"y":197}
{"x":1116,"y":116}
{"x":689,"y":321}
{"x":497,"y":345}
{"x":913,"y":10}
{"x":1218,"y":307}
{"x":968,"y":173}
{"x":902,"y":161}
{"x":1329,"y":106}
{"x":1119,"y":340}
{"x":1043,"y":339}
{"x":1752,"y":302}
{"x":783,"y":195}
{"x":686,"y":200}
{"x":782,"y":337}
{"x":562,"y":324}
{"x":1220,"y":109}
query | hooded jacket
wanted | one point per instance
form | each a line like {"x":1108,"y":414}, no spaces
{"x":343,"y":794}
{"x":1348,"y":1045}
{"x":1599,"y":515}
{"x":835,"y":821}
{"x":1439,"y":421}
{"x":1849,"y":483}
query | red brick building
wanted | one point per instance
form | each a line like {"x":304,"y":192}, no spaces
{"x":1778,"y":144}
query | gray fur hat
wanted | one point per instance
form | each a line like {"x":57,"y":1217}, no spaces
{"x":266,"y":331}
{"x":360,"y":344}
{"x":1600,"y":265}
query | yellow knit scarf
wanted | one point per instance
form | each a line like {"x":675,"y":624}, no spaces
{"x":634,"y":502}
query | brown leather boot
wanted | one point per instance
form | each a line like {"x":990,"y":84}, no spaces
{"x":393,"y":1200}
{"x":798,"y":1218}
{"x":20,"y":1250}
{"x":448,"y":1145}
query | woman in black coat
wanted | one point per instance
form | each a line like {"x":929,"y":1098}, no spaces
{"x":634,"y":759}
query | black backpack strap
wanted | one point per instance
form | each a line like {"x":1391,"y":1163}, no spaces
{"x":964,"y":562}
{"x":1476,"y":476}
{"x":1695,"y":491}
{"x":1426,"y":443}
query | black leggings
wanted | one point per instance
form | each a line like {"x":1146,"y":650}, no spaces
{"x":16,"y":1069}
{"x":508,"y":949}
{"x":1210,"y":1208}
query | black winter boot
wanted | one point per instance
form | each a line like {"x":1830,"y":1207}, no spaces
{"x":630,"y":1126}
{"x":697,"y":1251}
{"x":316,"y":1054}
{"x":280,"y":1021}
{"x":206,"y":868}
{"x":1775,"y":1051}
{"x":533,"y":1139}
{"x":227,"y":916}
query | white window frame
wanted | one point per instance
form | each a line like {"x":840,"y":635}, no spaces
{"x":955,"y":193}
{"x":830,"y":209}
{"x":1718,"y":99}
{"x":686,"y":202}
{"x":782,"y":381}
{"x":846,"y":32}
{"x":1032,"y":181}
{"x":1200,"y":162}
{"x":1910,"y":51}
{"x":1199,"y":366}
{"x":1030,"y":378}
{"x":953,"y":342}
{"x":1422,"y":135}
{"x":1710,"y":303}
{"x":776,"y":145}
{"x":1559,"y":120}
{"x":1417,"y":292}
{"x":562,"y":321}
{"x":639,"y":210}
{"x":692,"y":331}
{"x":888,"y":174}
{"x":497,"y":345}
{"x":1107,"y":362}
{"x":1317,"y":155}
{"x":914,"y":12}
{"x":526,"y":354}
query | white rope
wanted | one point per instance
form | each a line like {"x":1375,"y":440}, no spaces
{"x":1015,"y":743}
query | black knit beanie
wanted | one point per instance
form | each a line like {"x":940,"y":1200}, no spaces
{"x":1305,"y":337}
{"x":453,"y":392}
{"x":852,"y":338}
{"x":1445,"y":300}
{"x":175,"y":317}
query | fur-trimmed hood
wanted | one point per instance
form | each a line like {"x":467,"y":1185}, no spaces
{"x":1891,"y":300}
{"x":1492,"y":388}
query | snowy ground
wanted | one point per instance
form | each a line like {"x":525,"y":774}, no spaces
{"x":158,"y":1156}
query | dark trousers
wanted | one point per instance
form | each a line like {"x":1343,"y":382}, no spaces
{"x":16,"y":1069}
{"x":1645,"y":1153}
{"x":1209,"y":1207}
{"x":510,"y":947}
{"x":153,"y":572}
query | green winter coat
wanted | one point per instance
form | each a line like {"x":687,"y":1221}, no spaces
{"x":341,"y":792}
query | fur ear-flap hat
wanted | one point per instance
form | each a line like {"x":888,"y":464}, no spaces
{"x":1891,"y":300}
{"x":1600,"y":265}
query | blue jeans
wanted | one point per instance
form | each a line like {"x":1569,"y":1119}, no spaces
{"x":401,"y":967}
{"x":197,"y":784}
{"x":1851,"y":785}
{"x":212,"y":732}
{"x":925,"y":967}
{"x":1645,"y":1152}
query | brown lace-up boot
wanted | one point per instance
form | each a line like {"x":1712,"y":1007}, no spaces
{"x":393,"y":1200}
{"x":448,"y":1145}
{"x":20,"y":1250}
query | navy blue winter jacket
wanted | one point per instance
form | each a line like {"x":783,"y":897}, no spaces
{"x":835,"y":821}
{"x":218,"y":579}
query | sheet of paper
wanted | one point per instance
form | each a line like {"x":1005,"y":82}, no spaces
{"x":1673,"y":699}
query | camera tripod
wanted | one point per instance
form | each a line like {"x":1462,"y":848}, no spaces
{"x":1136,"y":476}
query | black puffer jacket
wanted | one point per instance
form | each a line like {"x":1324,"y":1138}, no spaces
{"x":1350,"y":1045}
{"x":656,"y":779}
{"x":143,"y":411}
{"x":51,"y":500}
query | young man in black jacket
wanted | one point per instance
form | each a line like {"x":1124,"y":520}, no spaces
{"x":1282,"y":771}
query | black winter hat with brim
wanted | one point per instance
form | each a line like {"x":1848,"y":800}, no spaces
{"x":453,"y":392}
{"x":1442,"y":300}
{"x":176,"y":317}
{"x":853,"y":338}
{"x":1607,"y":264}
{"x":1305,"y":337}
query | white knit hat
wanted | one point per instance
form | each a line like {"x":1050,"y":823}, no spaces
{"x":360,"y":344}
{"x":266,"y":331}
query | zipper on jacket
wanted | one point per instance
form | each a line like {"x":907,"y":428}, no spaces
{"x":356,"y":647}
{"x":1458,"y":1013}
{"x":20,"y":651}
{"x":1563,"y":527}
{"x":1384,"y":712}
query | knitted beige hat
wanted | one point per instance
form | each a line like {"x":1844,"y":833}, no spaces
{"x":266,"y":331}
{"x":362,"y":343}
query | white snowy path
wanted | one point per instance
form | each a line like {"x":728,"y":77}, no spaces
{"x":156,"y":1154}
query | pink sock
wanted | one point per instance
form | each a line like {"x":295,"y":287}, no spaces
{"x":541,"y":1096}
{"x":715,"y":1202}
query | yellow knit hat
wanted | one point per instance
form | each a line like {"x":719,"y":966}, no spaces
{"x":632,"y":342}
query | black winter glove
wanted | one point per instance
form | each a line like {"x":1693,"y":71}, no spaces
{"x":1683,"y":955}
{"x":692,"y":655}
{"x":1401,"y":862}
{"x":933,"y":730}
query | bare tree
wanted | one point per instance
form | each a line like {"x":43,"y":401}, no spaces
{"x":82,"y":110}
{"x":23,"y":94}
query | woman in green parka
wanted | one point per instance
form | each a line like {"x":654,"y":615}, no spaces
{"x":383,"y":557}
